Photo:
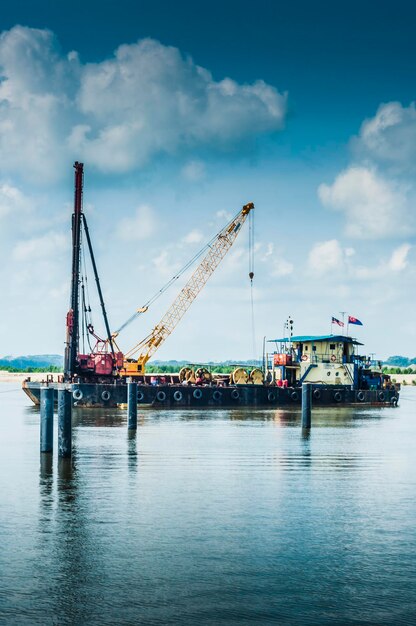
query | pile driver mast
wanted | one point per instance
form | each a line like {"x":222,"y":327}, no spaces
{"x":135,"y":365}
{"x":99,"y":362}
{"x":72,"y":318}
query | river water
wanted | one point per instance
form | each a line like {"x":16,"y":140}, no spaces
{"x":210,"y":517}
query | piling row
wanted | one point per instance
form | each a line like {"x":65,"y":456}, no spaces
{"x":65,"y":416}
{"x":64,"y":421}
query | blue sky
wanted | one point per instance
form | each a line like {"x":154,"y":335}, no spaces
{"x":182,"y":115}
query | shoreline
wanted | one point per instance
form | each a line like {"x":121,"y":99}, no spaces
{"x":16,"y":377}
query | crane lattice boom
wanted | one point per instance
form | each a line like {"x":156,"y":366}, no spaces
{"x":218,"y":250}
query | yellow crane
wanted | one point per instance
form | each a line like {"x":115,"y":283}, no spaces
{"x":135,"y":360}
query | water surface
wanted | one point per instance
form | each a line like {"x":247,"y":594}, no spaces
{"x":211,"y":517}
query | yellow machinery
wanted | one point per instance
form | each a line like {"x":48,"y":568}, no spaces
{"x":135,"y":365}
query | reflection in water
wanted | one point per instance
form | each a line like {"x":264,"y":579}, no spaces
{"x":46,"y":467}
{"x":73,"y":544}
{"x":46,"y":487}
{"x":306,"y":433}
{"x":98,"y":417}
{"x":220,"y":517}
{"x":66,"y":473}
{"x":132,"y":449}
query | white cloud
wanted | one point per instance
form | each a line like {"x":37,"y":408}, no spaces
{"x":391,"y":134}
{"x":278,"y":266}
{"x":119,"y":113}
{"x":164,"y":265}
{"x":140,"y":226}
{"x":398,"y":260}
{"x":12,"y":200}
{"x":194,"y":236}
{"x":266,"y":251}
{"x":281,"y":267}
{"x":45,"y":247}
{"x":325,"y":257}
{"x":35,"y":94}
{"x":374,"y":207}
{"x":194,"y":171}
{"x":223,"y":215}
{"x":330,"y":258}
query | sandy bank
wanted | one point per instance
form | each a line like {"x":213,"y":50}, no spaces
{"x":400,"y":378}
{"x":9,"y":377}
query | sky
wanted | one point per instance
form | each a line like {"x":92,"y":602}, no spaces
{"x":183,"y":113}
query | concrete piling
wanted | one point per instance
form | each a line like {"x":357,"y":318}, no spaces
{"x":306,"y":405}
{"x":132,"y":405}
{"x":64,"y":423}
{"x":46,"y":419}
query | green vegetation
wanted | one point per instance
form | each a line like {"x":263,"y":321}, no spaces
{"x":218,"y":368}
{"x":398,"y":370}
{"x":31,"y":370}
{"x":161,"y":369}
{"x":400,"y":361}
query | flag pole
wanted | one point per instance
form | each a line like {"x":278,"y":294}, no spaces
{"x":343,"y":325}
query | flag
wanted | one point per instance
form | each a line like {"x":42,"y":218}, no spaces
{"x":335,"y":321}
{"x":353,"y":320}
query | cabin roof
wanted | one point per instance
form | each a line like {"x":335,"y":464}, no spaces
{"x":318,"y":338}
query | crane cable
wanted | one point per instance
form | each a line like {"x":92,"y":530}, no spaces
{"x":174,"y":278}
{"x":86,"y":302}
{"x":251,"y":276}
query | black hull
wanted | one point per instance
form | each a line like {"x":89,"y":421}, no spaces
{"x":98,"y":395}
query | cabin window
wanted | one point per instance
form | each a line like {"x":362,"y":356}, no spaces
{"x":332,"y":346}
{"x":336,"y":373}
{"x":314,"y":348}
{"x":305,"y":348}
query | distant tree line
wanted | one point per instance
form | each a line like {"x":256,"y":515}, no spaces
{"x":31,"y":370}
{"x":400,"y":361}
{"x":218,"y":368}
{"x":399,"y":370}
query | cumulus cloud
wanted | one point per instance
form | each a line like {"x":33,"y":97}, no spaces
{"x":194,"y":171}
{"x":331,"y":258}
{"x":398,"y":260}
{"x":141,"y":225}
{"x":223,"y":215}
{"x":281,"y":267}
{"x":35,"y":102}
{"x":374,"y":207}
{"x":164,"y":265}
{"x":45,"y":247}
{"x":390,"y":135}
{"x":194,"y":236}
{"x":119,"y":113}
{"x":326,"y":256}
{"x":277,"y":264}
{"x":12,"y":200}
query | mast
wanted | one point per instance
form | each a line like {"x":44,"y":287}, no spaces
{"x":97,"y":280}
{"x":72,"y":318}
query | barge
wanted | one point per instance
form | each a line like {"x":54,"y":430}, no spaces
{"x":99,"y":395}
{"x":339,"y":376}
